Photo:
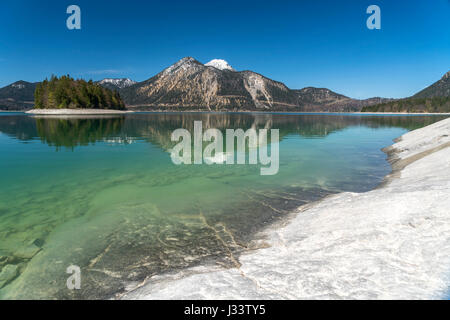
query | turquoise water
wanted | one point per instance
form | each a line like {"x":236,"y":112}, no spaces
{"x":102,"y":192}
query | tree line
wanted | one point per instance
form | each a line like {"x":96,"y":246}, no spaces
{"x":429,"y":105}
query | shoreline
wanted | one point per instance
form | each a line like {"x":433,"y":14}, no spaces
{"x":381,"y":244}
{"x":131,"y":111}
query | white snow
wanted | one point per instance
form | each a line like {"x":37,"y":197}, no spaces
{"x":219,"y":64}
{"x":18,"y":86}
{"x":120,"y":83}
{"x":389,"y":243}
{"x":185,"y":64}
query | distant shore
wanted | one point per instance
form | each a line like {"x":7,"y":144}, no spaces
{"x":105,"y":111}
{"x":75,"y":111}
{"x":388,"y":243}
{"x":136,"y":109}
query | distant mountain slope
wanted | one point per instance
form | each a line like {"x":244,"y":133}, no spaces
{"x":413,"y":105}
{"x":17,"y":96}
{"x":433,"y":99}
{"x":440,"y":88}
{"x":312,"y":99}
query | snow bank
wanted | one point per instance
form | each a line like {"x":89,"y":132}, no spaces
{"x":389,"y":243}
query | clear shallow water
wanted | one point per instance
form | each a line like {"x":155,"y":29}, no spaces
{"x":103,"y":194}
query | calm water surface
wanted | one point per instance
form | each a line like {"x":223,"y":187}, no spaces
{"x":102,"y":192}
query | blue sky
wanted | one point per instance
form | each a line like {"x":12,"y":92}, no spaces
{"x":301,"y":43}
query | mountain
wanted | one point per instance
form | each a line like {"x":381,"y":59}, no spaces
{"x":312,"y":99}
{"x":440,"y":88}
{"x":413,"y":105}
{"x":116,"y":84}
{"x":17,"y":96}
{"x":188,"y":85}
{"x":433,"y":99}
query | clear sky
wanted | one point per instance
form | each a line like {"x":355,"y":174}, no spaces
{"x":301,"y":43}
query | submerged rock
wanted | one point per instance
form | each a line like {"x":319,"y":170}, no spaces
{"x":28,"y":252}
{"x":9,"y":273}
{"x":38,"y":242}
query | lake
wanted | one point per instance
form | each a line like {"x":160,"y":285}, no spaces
{"x":102,"y":193}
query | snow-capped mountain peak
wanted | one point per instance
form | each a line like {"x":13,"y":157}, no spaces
{"x":119,"y":83}
{"x":187,"y":63}
{"x":219,"y":64}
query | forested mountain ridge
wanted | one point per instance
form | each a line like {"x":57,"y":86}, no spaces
{"x":433,"y":99}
